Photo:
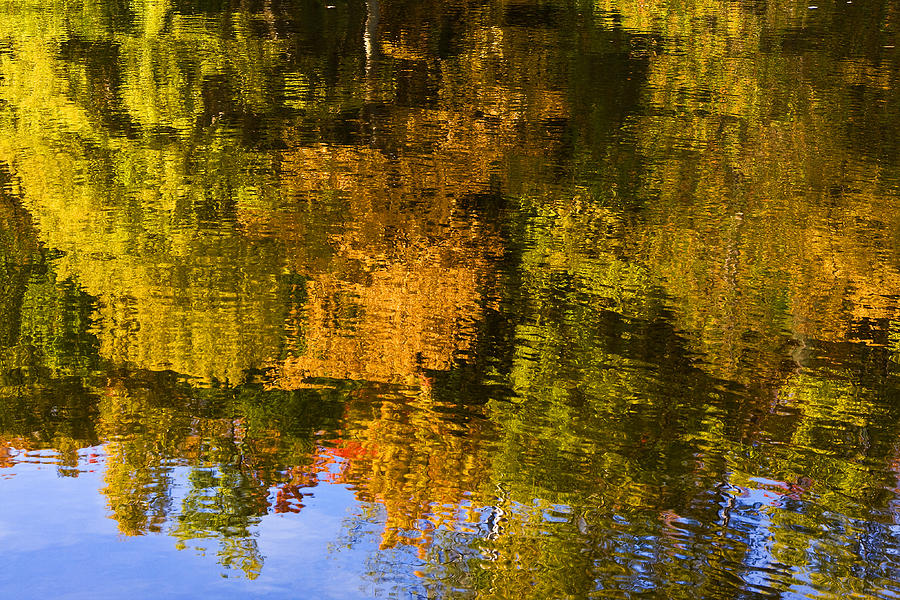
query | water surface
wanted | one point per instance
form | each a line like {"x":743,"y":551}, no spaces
{"x":449,"y":299}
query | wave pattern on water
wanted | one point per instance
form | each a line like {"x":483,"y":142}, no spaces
{"x":495,"y":299}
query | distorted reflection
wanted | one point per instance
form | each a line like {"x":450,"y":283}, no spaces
{"x":569,"y":299}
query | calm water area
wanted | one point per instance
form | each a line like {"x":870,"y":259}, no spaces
{"x":449,"y":299}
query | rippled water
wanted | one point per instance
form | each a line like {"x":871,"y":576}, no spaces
{"x":449,"y":299}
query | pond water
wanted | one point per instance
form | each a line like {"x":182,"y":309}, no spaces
{"x":482,"y":299}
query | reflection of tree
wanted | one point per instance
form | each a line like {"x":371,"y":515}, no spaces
{"x":412,"y":459}
{"x":747,"y":259}
{"x":562,"y":375}
{"x":390,"y":322}
{"x":609,"y":420}
{"x":237,"y":444}
{"x":45,"y":347}
{"x":223,"y":505}
{"x":166,"y":143}
{"x":132,"y":167}
{"x":19,"y":251}
{"x":139,"y":473}
{"x":762,"y":224}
